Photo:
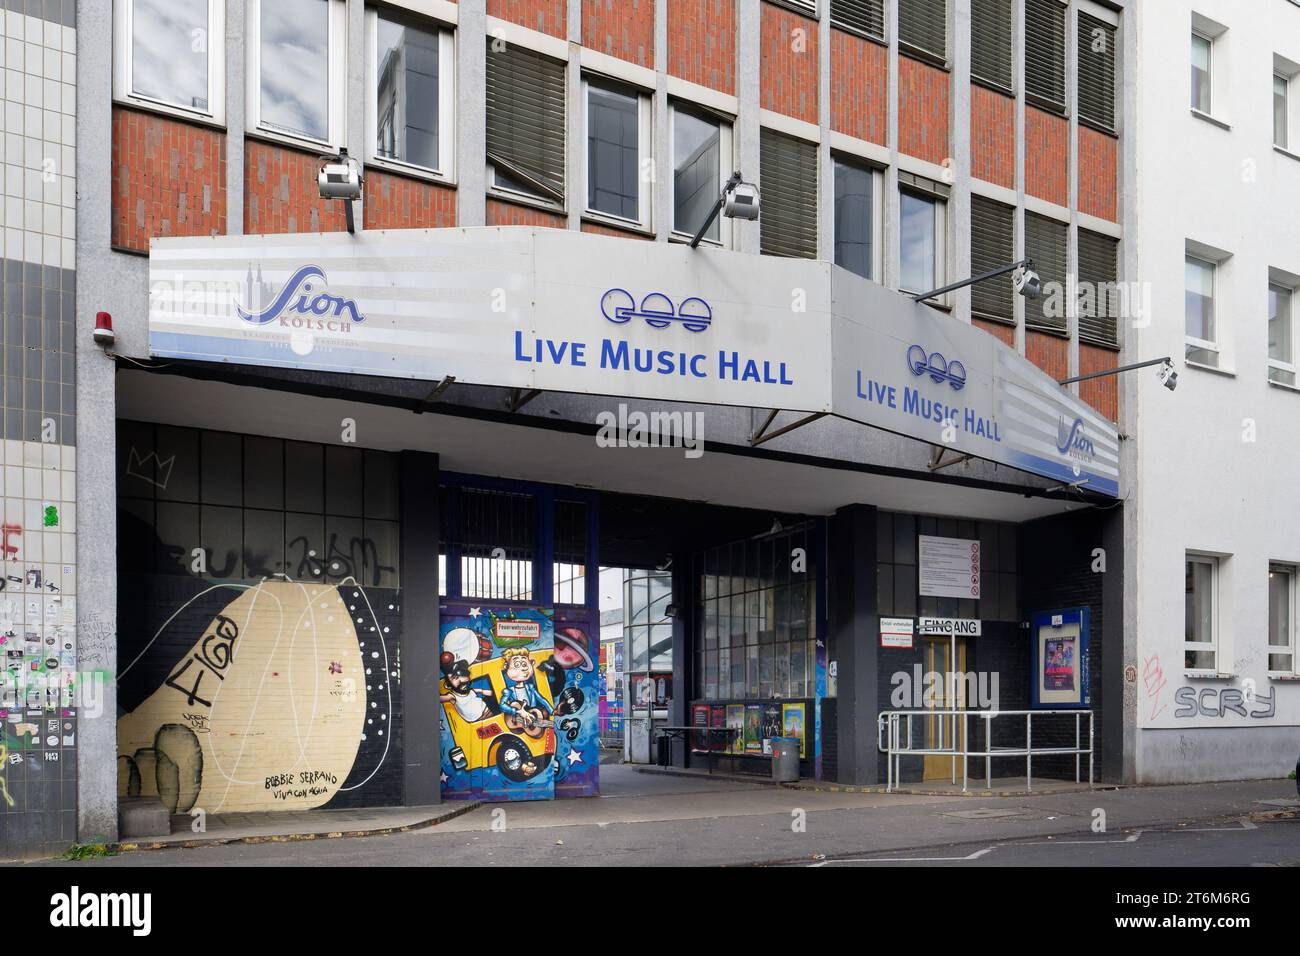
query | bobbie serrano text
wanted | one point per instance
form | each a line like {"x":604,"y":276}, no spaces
{"x":619,"y":356}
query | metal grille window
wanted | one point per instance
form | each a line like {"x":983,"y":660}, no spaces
{"x":991,"y":247}
{"x":1045,"y":53}
{"x":1096,"y":71}
{"x":526,"y":122}
{"x":923,"y":25}
{"x":1099,"y":295}
{"x":788,"y":171}
{"x":498,"y":531}
{"x":569,"y":569}
{"x":990,"y":43}
{"x":1045,"y":243}
{"x":861,"y":16}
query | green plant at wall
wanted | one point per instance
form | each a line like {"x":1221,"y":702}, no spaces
{"x":88,"y":851}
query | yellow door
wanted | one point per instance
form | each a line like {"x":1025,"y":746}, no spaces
{"x":942,"y":731}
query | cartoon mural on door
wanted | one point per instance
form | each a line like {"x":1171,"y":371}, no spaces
{"x":518,"y":702}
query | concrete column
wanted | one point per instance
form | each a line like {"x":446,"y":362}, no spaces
{"x":96,"y":432}
{"x":662,"y":212}
{"x":685,"y":598}
{"x":471,"y":113}
{"x":356,"y":89}
{"x":420,"y":616}
{"x":236,"y":112}
{"x":1072,"y":187}
{"x":855,"y":634}
{"x":892,"y":213}
{"x":1018,"y":223}
{"x":959,"y":202}
{"x":749,"y":25}
{"x":825,"y":165}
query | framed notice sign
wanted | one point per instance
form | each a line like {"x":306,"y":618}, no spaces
{"x":895,"y":632}
{"x":950,"y":567}
{"x":1060,"y":659}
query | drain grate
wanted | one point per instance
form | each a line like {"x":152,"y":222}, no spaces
{"x":983,"y":814}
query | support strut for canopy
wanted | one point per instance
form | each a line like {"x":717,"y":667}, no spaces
{"x":763,"y":434}
{"x":936,"y":458}
{"x":519,"y":397}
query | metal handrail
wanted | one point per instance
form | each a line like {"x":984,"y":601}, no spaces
{"x":891,"y":742}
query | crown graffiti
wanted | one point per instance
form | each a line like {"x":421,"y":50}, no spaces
{"x":137,"y":466}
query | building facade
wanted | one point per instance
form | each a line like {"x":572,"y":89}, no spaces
{"x":396,"y":523}
{"x":1218,"y":700}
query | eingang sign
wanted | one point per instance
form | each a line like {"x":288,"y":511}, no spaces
{"x":562,"y":310}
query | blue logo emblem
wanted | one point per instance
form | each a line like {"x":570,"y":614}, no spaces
{"x":937,"y":367}
{"x":657,"y":309}
{"x":1072,"y":441}
{"x":296,"y":298}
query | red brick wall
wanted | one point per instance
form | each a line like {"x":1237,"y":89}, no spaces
{"x":510,"y":214}
{"x":545,"y":16}
{"x":621,"y":28}
{"x":402,"y":202}
{"x":1046,"y":156}
{"x":1005,"y":333}
{"x":1101,"y":393}
{"x":1098,"y":174}
{"x":280,"y":193}
{"x":860,"y":77}
{"x":702,"y":42}
{"x":169,"y":179}
{"x":1048,"y":352}
{"x":600,"y":230}
{"x":788,"y":65}
{"x":993,"y":137}
{"x":922,"y":110}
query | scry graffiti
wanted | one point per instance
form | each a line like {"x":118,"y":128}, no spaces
{"x":280,"y":699}
{"x":1218,"y":702}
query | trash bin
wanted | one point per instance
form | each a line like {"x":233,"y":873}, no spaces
{"x":663,"y":750}
{"x":785,"y":759}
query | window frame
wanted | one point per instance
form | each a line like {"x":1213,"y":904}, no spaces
{"x":446,"y":169}
{"x":336,"y":92}
{"x":1285,"y":142}
{"x":940,"y":206}
{"x":1211,"y":646}
{"x":877,"y":213}
{"x":1205,"y":345}
{"x":1206,"y":109}
{"x":644,"y":153}
{"x":123,"y":63}
{"x":1290,"y":367}
{"x":726,"y":166}
{"x":1288,"y":649}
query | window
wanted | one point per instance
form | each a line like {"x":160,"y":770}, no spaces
{"x":1099,"y":293}
{"x":991,"y":247}
{"x":923,"y":26}
{"x":1199,"y":312}
{"x":525,"y":124}
{"x":170,"y":55}
{"x":702,"y":160}
{"x":922,"y":240}
{"x":1281,"y":619}
{"x":411,"y":77}
{"x":860,"y":16}
{"x":990,"y":43}
{"x":1096,"y":44}
{"x":618,"y":146}
{"x":1200,"y":634}
{"x":857,"y":200}
{"x":1045,"y":53}
{"x":1281,"y":89}
{"x":788,"y":178}
{"x":296,"y":69}
{"x":1202,"y":49}
{"x":1281,"y":347}
{"x":1045,"y":244}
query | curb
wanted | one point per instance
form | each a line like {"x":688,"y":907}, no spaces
{"x":294,"y":837}
{"x":922,"y":792}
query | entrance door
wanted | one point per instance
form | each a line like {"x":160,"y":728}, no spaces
{"x":946,"y":658}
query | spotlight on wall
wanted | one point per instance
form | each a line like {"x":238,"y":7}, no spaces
{"x":1027,"y":282}
{"x":104,"y":334}
{"x":1168,"y":377}
{"x":339,"y":177}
